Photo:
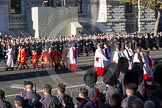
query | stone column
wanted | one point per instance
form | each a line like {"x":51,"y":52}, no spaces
{"x":22,"y":6}
{"x":4,"y":15}
{"x":94,"y":12}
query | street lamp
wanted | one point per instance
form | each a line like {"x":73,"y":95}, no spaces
{"x":80,"y":6}
{"x":139,"y":16}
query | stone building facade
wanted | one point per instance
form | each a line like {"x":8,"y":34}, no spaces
{"x":114,"y":18}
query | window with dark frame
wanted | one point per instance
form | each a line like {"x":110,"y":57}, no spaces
{"x":15,"y":7}
{"x":128,"y":8}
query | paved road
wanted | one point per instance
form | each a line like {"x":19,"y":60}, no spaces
{"x":11,"y":81}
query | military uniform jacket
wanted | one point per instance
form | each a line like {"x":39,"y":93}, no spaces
{"x":86,"y":43}
{"x":61,"y":96}
{"x":50,"y":101}
{"x":5,"y":104}
{"x":109,"y":92}
{"x":2,"y":104}
{"x":30,"y":95}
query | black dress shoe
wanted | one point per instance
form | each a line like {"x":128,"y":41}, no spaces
{"x":6,"y":69}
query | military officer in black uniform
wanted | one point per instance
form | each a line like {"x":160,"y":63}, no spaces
{"x":95,"y":42}
{"x":139,"y":40}
{"x":61,"y":44}
{"x":65,"y":42}
{"x":134,"y":43}
{"x":32,"y":44}
{"x":146,"y":41}
{"x":90,"y":45}
{"x":151,"y":41}
{"x":56,"y":44}
{"x":81,"y":45}
{"x":37,"y":47}
{"x":86,"y":46}
{"x":156,"y":40}
{"x":78,"y":46}
{"x":15,"y":51}
{"x":27,"y":49}
{"x":102,"y":41}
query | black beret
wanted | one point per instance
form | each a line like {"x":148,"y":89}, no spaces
{"x":131,"y":85}
{"x":131,"y":79}
{"x":47,"y":86}
{"x":28,"y":83}
{"x":123,"y":64}
{"x":19,"y":98}
{"x":90,"y":77}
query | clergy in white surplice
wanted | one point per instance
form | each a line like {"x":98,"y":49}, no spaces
{"x":148,"y":75}
{"x":9,"y":56}
{"x":72,"y":58}
{"x":128,"y":53}
{"x":117,"y":54}
{"x":99,"y":61}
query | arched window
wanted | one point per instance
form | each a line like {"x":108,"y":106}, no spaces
{"x":15,"y":7}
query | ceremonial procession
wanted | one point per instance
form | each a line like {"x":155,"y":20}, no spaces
{"x":62,"y":52}
{"x":126,"y":67}
{"x":80,"y":54}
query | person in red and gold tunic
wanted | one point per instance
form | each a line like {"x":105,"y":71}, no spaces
{"x":34,"y":59}
{"x":46,"y":58}
{"x":19,"y":57}
{"x":42,"y":58}
{"x":23,"y":58}
{"x":56,"y":58}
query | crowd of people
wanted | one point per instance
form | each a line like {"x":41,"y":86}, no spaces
{"x":53,"y":52}
{"x":132,"y":79}
{"x":125,"y":88}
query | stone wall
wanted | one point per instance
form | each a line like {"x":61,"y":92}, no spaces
{"x":48,"y":21}
{"x":4,"y":16}
{"x":115,"y":16}
{"x":147,"y":20}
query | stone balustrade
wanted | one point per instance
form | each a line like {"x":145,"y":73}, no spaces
{"x":17,"y":18}
{"x":17,"y":21}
